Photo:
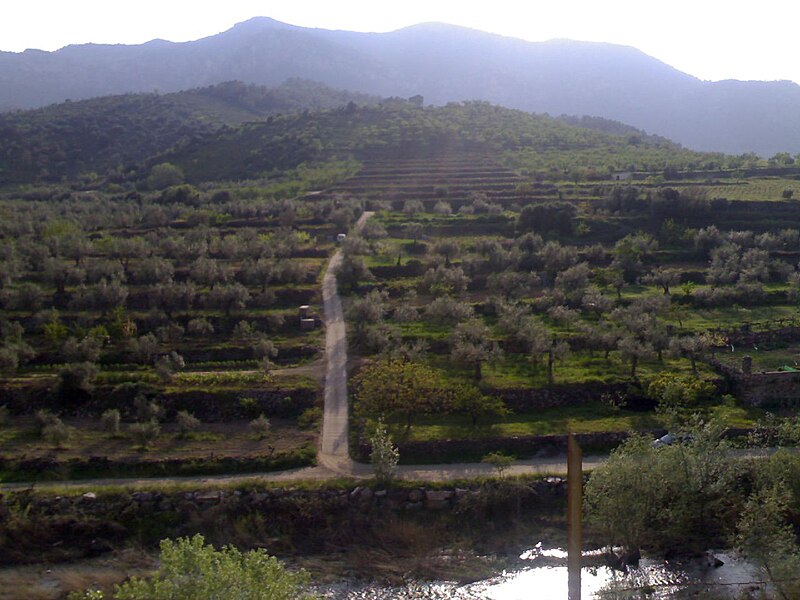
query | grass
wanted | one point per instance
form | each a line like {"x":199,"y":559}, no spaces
{"x":765,"y":357}
{"x":762,"y":189}
{"x":19,"y":439}
{"x":586,"y":418}
{"x":595,"y":417}
{"x":515,"y":371}
{"x":733,"y":317}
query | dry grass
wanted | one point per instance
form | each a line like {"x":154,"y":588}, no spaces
{"x":46,"y":582}
{"x":217,"y":439}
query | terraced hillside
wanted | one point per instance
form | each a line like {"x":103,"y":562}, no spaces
{"x":457,"y":179}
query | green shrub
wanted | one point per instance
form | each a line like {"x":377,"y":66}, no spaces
{"x":110,"y":420}
{"x":187,"y":423}
{"x":57,"y":433}
{"x":44,"y":418}
{"x":260,"y":426}
{"x":144,"y":433}
{"x":189,"y":570}
{"x":310,"y":417}
{"x":500,"y":461}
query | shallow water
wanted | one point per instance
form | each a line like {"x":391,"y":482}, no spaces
{"x":547,"y":578}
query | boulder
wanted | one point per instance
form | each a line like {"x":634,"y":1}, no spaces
{"x":416,"y":495}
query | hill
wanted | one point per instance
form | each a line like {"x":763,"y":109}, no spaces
{"x":399,"y":130}
{"x":441,"y":62}
{"x":118,"y":132}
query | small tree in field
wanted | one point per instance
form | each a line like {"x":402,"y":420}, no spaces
{"x":384,"y":456}
{"x":144,"y":433}
{"x":397,"y":388}
{"x":469,"y":400}
{"x":261,"y":426}
{"x":500,"y":461}
{"x":187,"y":423}
{"x":110,"y":420}
{"x":57,"y":433}
{"x":472,"y":347}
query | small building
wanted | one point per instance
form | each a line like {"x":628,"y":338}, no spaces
{"x":305,"y":311}
{"x":307,"y":324}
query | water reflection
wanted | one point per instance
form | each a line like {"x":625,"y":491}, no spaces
{"x":547,"y":579}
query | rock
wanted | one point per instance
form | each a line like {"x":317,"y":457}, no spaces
{"x":366,"y":494}
{"x":438,"y":495}
{"x":356,"y":493}
{"x":401,"y":495}
{"x":380,"y":494}
{"x":416,"y":495}
{"x":208,"y":496}
{"x":89,"y":497}
{"x":709,"y":561}
{"x":438,"y":499}
{"x":411,"y":506}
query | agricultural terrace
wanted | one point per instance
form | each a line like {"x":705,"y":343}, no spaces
{"x":547,"y":307}
{"x":159,"y":331}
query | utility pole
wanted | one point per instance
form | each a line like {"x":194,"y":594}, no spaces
{"x":574,"y":517}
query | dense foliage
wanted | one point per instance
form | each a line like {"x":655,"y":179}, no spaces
{"x":190,"y":569}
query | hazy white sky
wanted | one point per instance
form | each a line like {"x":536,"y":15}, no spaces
{"x":711,"y":39}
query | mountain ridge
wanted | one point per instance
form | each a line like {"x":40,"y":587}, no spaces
{"x":443,"y":63}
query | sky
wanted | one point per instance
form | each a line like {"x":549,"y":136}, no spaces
{"x":709,"y":39}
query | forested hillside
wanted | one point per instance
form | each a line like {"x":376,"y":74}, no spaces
{"x":400,"y":129}
{"x":115,"y":133}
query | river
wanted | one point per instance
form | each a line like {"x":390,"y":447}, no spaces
{"x":546,"y":578}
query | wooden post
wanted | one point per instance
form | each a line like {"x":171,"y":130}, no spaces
{"x":574,"y":517}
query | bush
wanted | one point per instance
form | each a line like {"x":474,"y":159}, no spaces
{"x":187,"y":422}
{"x":310,"y":417}
{"x":501,"y":462}
{"x":77,"y":379}
{"x":189,"y":569}
{"x":249,"y":405}
{"x":44,"y":418}
{"x":144,"y":433}
{"x":110,"y":420}
{"x":57,"y":433}
{"x":384,"y":456}
{"x":260,"y":426}
{"x":147,"y":410}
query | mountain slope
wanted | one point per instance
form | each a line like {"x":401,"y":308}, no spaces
{"x":441,"y":62}
{"x":118,"y":132}
{"x":399,"y":130}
